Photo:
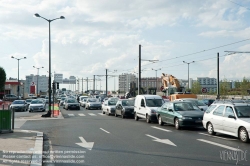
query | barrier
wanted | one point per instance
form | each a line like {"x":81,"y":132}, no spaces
{"x":6,"y":119}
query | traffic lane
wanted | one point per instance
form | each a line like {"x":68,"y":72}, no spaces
{"x":188,"y":148}
{"x":28,"y":114}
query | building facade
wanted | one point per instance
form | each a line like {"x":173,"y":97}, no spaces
{"x":124,"y":81}
{"x":41,"y":81}
{"x":148,"y":83}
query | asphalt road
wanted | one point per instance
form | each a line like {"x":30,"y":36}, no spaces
{"x":121,"y":142}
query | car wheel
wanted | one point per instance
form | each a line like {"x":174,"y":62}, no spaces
{"x":103,"y":112}
{"x":160,"y":120}
{"x":243,"y":135}
{"x":177,"y":124}
{"x":116,"y":114}
{"x":148,"y":119}
{"x":136,"y":117}
{"x":210,"y":129}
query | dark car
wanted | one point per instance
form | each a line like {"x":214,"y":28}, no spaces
{"x":71,"y":104}
{"x":208,"y":102}
{"x":180,"y":114}
{"x":19,"y":105}
{"x":125,"y":108}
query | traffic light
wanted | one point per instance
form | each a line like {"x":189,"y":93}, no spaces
{"x":57,"y":85}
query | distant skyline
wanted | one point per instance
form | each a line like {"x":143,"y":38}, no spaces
{"x":98,"y":35}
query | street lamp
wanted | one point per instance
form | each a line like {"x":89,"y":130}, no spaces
{"x":18,"y":86}
{"x":37,"y":78}
{"x":188,"y":70}
{"x":62,"y":17}
{"x":156,"y":76}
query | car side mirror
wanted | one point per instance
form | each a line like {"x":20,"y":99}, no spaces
{"x":231,"y":116}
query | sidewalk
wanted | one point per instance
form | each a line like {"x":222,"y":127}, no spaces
{"x":22,"y":147}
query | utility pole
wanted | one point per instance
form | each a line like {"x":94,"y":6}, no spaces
{"x":218,"y":77}
{"x":188,"y":71}
{"x":106,"y":82}
{"x":82,"y":85}
{"x":87,"y":84}
{"x":94,"y":85}
{"x":139,"y":73}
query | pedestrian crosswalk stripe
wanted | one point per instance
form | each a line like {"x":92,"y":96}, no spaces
{"x":71,"y":114}
{"x":81,"y":114}
{"x":101,"y":114}
{"x":91,"y":114}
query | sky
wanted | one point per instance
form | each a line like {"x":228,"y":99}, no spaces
{"x":105,"y":34}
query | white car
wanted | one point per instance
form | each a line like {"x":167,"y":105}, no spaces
{"x":37,"y":105}
{"x":83,"y":102}
{"x":93,"y":103}
{"x":228,"y":118}
{"x":108,"y":107}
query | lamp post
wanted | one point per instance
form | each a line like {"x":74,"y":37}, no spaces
{"x":156,"y":77}
{"x":37,"y":78}
{"x":62,"y":17}
{"x":188,"y":70}
{"x":18,"y":86}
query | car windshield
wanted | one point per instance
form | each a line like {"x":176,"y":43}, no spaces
{"x":128,"y":102}
{"x":197,"y":102}
{"x":112,"y":102}
{"x":72,"y":101}
{"x":36,"y":102}
{"x":92,"y":100}
{"x":29,"y":100}
{"x":63,"y":98}
{"x":154,"y":102}
{"x":183,"y":106}
{"x":18,"y":102}
{"x":242,"y":111}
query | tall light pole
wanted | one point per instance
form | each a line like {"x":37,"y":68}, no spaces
{"x":188,"y":70}
{"x":156,"y":76}
{"x":37,"y":78}
{"x":62,"y":17}
{"x":18,"y":86}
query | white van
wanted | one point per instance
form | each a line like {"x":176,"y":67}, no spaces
{"x":146,"y":105}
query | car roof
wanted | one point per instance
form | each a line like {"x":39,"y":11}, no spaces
{"x":151,"y":96}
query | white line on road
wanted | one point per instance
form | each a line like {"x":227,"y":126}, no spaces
{"x":164,"y":141}
{"x":104,"y":130}
{"x":101,"y":114}
{"x":91,"y":114}
{"x":71,"y":114}
{"x":218,"y":137}
{"x":81,"y":114}
{"x":161,"y":129}
{"x":220,"y":145}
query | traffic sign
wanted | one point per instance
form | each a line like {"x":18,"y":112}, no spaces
{"x":204,"y":90}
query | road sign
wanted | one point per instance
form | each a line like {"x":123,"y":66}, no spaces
{"x":204,"y":90}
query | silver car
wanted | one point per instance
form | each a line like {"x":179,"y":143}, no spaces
{"x":228,"y":118}
{"x":109,"y":107}
{"x":37,"y":105}
{"x":93,"y":103}
{"x":19,"y":105}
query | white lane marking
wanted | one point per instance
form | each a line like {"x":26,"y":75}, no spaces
{"x":85,"y":144}
{"x":91,"y":114}
{"x":218,"y":137}
{"x":164,"y":141}
{"x":161,"y":129}
{"x":104,"y":130}
{"x":71,"y":114}
{"x":220,"y":145}
{"x":81,"y":114}
{"x":101,"y":114}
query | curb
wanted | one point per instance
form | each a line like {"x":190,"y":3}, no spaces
{"x":37,"y":158}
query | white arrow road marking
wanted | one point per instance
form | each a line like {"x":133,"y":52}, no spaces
{"x":104,"y":130}
{"x":101,"y":114}
{"x":218,"y":137}
{"x":164,"y":141}
{"x":220,"y":145}
{"x":71,"y":114}
{"x":85,"y":144}
{"x":161,"y":129}
{"x":81,"y":114}
{"x":91,"y":114}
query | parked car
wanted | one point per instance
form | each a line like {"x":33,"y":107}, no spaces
{"x":37,"y":105}
{"x":82,"y":97}
{"x":71,"y":104}
{"x":108,"y":107}
{"x":62,"y":101}
{"x":180,"y":114}
{"x":93,"y":103}
{"x":125,"y":108}
{"x":208,"y":102}
{"x":196,"y":102}
{"x":28,"y":101}
{"x":19,"y":105}
{"x":83,"y":102}
{"x":10,"y":97}
{"x":229,"y":118}
{"x":146,"y":105}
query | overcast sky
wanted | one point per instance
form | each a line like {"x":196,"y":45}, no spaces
{"x":100,"y":34}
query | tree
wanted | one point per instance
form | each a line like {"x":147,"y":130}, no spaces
{"x":244,"y":86}
{"x":224,"y":87}
{"x":2,"y":79}
{"x":196,"y":88}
